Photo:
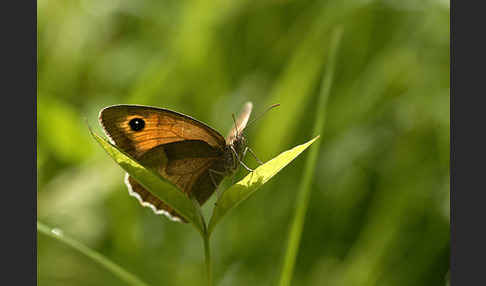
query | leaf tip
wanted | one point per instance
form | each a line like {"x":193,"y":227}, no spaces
{"x":315,"y":138}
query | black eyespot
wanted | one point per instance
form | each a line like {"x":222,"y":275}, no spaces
{"x":137,"y":124}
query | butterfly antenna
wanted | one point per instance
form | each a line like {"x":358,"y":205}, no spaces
{"x":236,"y":126}
{"x":261,"y":114}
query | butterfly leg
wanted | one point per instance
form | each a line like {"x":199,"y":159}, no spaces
{"x":218,"y":192}
{"x":241,"y":162}
{"x":253,"y":154}
{"x":246,"y":167}
{"x":211,"y":172}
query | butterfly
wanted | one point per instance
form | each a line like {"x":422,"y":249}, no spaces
{"x":183,"y":150}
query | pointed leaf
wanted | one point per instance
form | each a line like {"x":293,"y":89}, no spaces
{"x":249,"y":184}
{"x":152,"y":181}
{"x":97,"y":257}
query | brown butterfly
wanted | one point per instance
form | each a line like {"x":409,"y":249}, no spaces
{"x":183,"y":150}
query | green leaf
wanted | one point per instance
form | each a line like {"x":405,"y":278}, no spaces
{"x":97,"y":257}
{"x":157,"y":185}
{"x":303,"y":197}
{"x":249,"y":184}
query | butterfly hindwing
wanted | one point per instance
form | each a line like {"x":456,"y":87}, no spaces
{"x":149,"y":200}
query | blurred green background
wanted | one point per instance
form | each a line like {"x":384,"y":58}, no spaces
{"x":379,"y":208}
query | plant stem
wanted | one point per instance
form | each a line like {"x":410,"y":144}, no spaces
{"x":95,"y":256}
{"x":205,"y":236}
{"x":302,"y":201}
{"x":207,"y":254}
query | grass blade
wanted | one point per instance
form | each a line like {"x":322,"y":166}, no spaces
{"x":249,"y":184}
{"x":95,"y":256}
{"x":157,"y":185}
{"x":302,"y":201}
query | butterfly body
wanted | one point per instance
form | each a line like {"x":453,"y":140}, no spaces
{"x":183,"y":150}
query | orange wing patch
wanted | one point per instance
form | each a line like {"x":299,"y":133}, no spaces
{"x":161,"y":127}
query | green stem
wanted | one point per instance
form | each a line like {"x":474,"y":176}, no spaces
{"x":205,"y":236}
{"x":95,"y":256}
{"x":302,"y":201}
{"x":207,"y":254}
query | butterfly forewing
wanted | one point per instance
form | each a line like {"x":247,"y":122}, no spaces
{"x":161,"y":126}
